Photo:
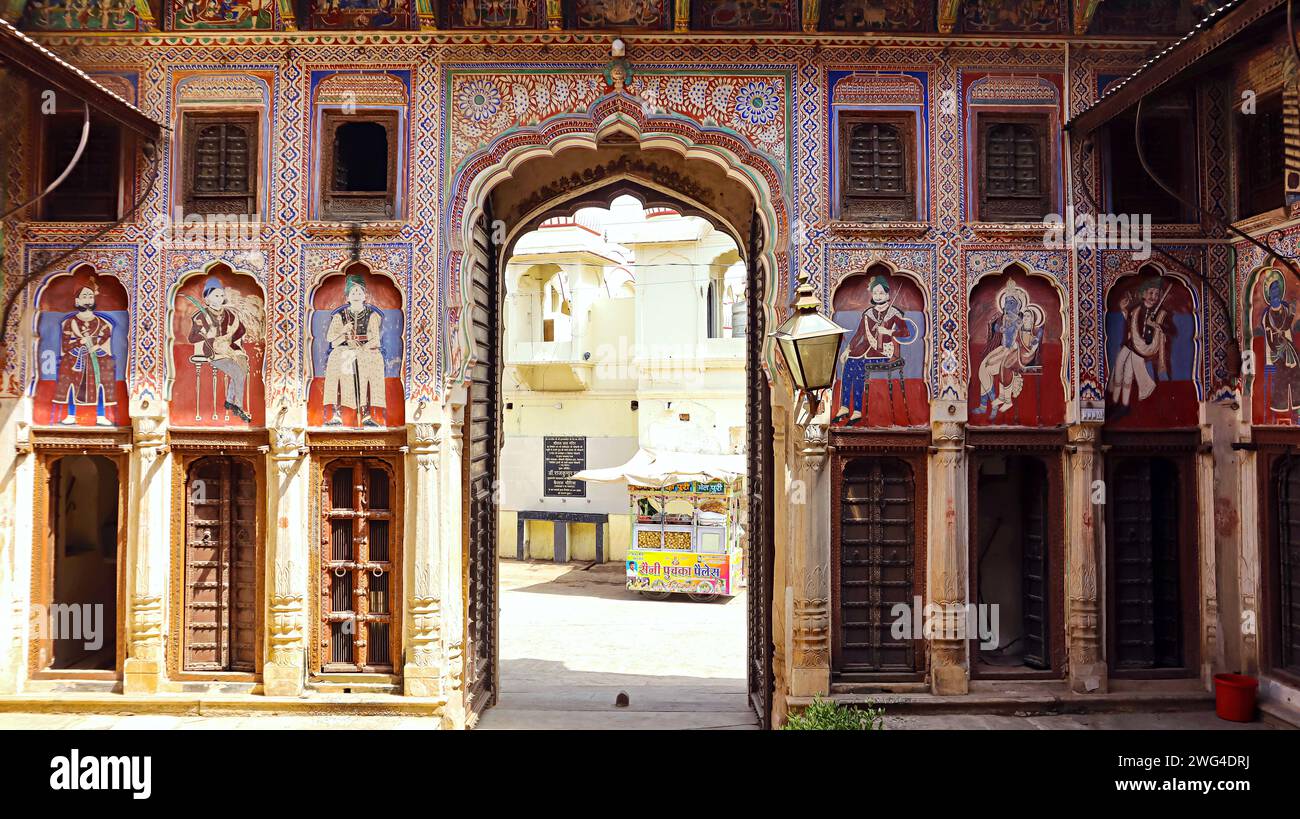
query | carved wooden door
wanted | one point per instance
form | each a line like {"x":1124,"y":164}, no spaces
{"x":482,"y":444}
{"x":220,"y":565}
{"x":1034,"y":581}
{"x":1286,"y":482}
{"x":874,"y":551}
{"x":359,"y":547}
{"x":1145,"y":536}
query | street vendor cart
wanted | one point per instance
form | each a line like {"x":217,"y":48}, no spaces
{"x":687,"y":535}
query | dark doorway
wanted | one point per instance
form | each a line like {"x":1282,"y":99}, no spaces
{"x":221,"y":538}
{"x":1010,"y":566}
{"x":1146,"y":567}
{"x":1286,"y":498}
{"x":82,"y":621}
{"x":874,"y":565}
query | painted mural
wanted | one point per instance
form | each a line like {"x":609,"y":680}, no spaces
{"x":497,"y":14}
{"x":643,"y":14}
{"x":193,"y":15}
{"x":743,"y":15}
{"x":1150,"y":352}
{"x":356,"y":351}
{"x":884,"y":349}
{"x":84,"y":15}
{"x":217,"y":331}
{"x":1041,"y":16}
{"x":1274,"y":377}
{"x":1015,"y":352}
{"x":1128,"y":16}
{"x":82,"y":343}
{"x":359,"y":14}
{"x":878,"y":15}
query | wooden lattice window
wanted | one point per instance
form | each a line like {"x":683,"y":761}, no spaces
{"x":221,"y":565}
{"x":1261,"y":156}
{"x":91,"y":192}
{"x":220,"y":163}
{"x":359,"y":553}
{"x":359,"y":166}
{"x":877,"y":168}
{"x":877,"y":534}
{"x":1014,"y":179}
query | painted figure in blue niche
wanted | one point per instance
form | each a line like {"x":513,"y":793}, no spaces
{"x":87,"y":372}
{"x":217,"y":333}
{"x":1015,"y":338}
{"x":354,"y":369}
{"x":874,"y":353}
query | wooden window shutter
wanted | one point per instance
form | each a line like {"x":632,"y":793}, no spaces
{"x":220,"y":164}
{"x":358,"y":558}
{"x":221,"y":566}
{"x":352,"y":190}
{"x":1014,"y":180}
{"x":877,"y":169}
{"x":90,"y":193}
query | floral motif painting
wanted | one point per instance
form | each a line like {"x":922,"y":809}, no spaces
{"x":744,"y":15}
{"x":496,"y":14}
{"x":877,"y":15}
{"x":1015,"y":352}
{"x":218,"y":330}
{"x":184,"y":15}
{"x":1273,"y":371}
{"x":880,"y":373}
{"x":356,"y":352}
{"x":1150,"y":353}
{"x":82,"y":340}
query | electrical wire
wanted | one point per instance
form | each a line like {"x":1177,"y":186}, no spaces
{"x":76,"y":156}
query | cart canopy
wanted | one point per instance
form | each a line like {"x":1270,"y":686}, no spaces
{"x":658,"y":468}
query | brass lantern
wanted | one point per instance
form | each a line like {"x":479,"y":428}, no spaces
{"x":809,"y":342}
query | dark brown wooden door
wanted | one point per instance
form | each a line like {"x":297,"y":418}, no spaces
{"x":1145,"y":535}
{"x":358,"y":558}
{"x":758,"y":447}
{"x":875,"y":554}
{"x":220,"y":565}
{"x":482,"y":447}
{"x":1034,"y":582}
{"x":1286,"y":488}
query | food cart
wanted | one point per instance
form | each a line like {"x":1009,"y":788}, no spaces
{"x":687,"y":537}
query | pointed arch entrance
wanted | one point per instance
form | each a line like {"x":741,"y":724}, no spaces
{"x":509,"y":190}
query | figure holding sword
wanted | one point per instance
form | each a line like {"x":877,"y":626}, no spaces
{"x":1143,"y":357}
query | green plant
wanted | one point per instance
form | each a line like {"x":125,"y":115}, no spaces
{"x":823,"y":715}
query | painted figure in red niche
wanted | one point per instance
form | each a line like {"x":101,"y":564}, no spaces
{"x":218,"y":326}
{"x":86,"y":371}
{"x":885,"y":316}
{"x":1015,"y":352}
{"x":1151,"y":351}
{"x":1275,"y":325}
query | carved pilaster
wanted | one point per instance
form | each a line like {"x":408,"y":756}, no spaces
{"x":286,"y":505}
{"x":811,"y":631}
{"x":148,"y":539}
{"x":948,"y":663}
{"x":423,"y":675}
{"x":450,"y":443}
{"x":1085,"y":515}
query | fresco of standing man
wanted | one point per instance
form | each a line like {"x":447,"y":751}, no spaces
{"x":1144,"y":353}
{"x":217,"y":333}
{"x":354,"y":367}
{"x":86,"y":370}
{"x":874,"y":352}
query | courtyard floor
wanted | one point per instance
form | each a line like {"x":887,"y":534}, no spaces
{"x":573,"y":638}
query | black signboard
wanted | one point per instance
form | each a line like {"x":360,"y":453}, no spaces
{"x":562,"y":455}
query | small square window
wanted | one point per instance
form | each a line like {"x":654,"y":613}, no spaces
{"x":220,"y":163}
{"x":1015,"y":180}
{"x":92,"y":191}
{"x":1261,"y":156}
{"x":359,"y":166}
{"x":877,"y":168}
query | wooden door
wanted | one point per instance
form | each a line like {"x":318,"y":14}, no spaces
{"x":1146,"y":541}
{"x":1035,"y":581}
{"x":1286,"y":489}
{"x":220,"y":565}
{"x":359,"y":554}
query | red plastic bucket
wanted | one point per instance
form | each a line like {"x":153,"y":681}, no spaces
{"x":1234,"y":697}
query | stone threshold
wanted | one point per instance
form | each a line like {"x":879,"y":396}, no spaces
{"x":1023,"y":700}
{"x":214,"y":705}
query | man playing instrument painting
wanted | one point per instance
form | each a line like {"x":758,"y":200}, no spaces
{"x":218,"y":334}
{"x":86,"y":370}
{"x":354,"y":368}
{"x":874,"y":352}
{"x":1144,"y":354}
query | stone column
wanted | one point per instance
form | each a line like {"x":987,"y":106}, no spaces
{"x":422,"y":676}
{"x":287,"y":508}
{"x":948,"y":525}
{"x":450,"y":576}
{"x":147,"y":549}
{"x":16,"y":501}
{"x":1085,"y":518}
{"x":810,"y":499}
{"x":1211,"y":652}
